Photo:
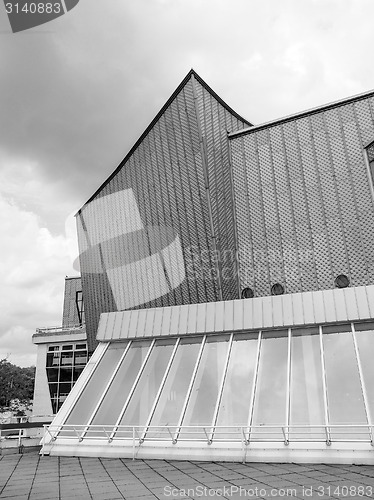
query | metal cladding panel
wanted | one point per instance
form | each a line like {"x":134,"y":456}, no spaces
{"x":297,"y":309}
{"x":238,"y":306}
{"x":228,"y":317}
{"x":70,"y":315}
{"x":351,"y":303}
{"x":277,"y":306}
{"x":307,"y":308}
{"x":160,"y":232}
{"x":303,"y":200}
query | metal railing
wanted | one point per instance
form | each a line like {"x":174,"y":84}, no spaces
{"x":56,"y":329}
{"x":21,"y":434}
{"x":349,"y":433}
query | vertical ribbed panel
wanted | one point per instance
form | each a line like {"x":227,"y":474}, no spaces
{"x":296,"y":309}
{"x":215,"y":122}
{"x":165,"y":179}
{"x":303,"y":200}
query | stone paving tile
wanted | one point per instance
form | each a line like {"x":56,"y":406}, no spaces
{"x":50,"y":478}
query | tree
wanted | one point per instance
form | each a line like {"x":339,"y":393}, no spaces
{"x":15,"y":383}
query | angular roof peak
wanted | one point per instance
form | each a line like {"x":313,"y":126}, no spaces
{"x":191,"y":74}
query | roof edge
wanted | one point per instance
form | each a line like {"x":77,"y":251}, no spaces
{"x":301,"y":114}
{"x":192,"y":72}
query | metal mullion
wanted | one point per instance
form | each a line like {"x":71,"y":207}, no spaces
{"x":288,"y":389}
{"x":105,"y":391}
{"x":189,"y":390}
{"x":115,"y":428}
{"x":251,"y":405}
{"x":160,"y":389}
{"x":219,"y":396}
{"x":363,"y":386}
{"x":325,"y":401}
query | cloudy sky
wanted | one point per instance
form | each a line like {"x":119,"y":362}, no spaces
{"x":77,"y":92}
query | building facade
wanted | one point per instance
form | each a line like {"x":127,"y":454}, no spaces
{"x":150,"y":235}
{"x":61,"y":354}
{"x":231,"y":267}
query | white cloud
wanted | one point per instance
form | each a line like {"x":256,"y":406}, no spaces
{"x":33,"y":264}
{"x":73,"y":103}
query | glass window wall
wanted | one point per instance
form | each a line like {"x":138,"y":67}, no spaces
{"x":344,"y":391}
{"x":118,"y":392}
{"x":365,"y":343}
{"x":205,"y":389}
{"x":260,"y":382}
{"x":237,"y":391}
{"x":94,"y":389}
{"x":306,"y":388}
{"x":271,"y":388}
{"x":141,"y":402}
{"x":172,"y":398}
{"x":60,"y":366}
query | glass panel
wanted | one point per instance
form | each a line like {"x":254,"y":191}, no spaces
{"x":93,"y":390}
{"x":54,"y":348}
{"x":237,"y":391}
{"x":80,"y":358}
{"x":365,"y":344}
{"x":344,"y":393}
{"x":53,"y":359}
{"x":205,"y":388}
{"x":271,"y":388}
{"x":52,"y":374}
{"x":140,"y":405}
{"x":170,"y":404}
{"x":54,"y":406}
{"x":67,"y":347}
{"x":76,"y":373}
{"x":306,"y":391}
{"x":63,"y":391}
{"x":114,"y":400}
{"x":66,"y":374}
{"x":53,"y":388}
{"x":67,"y":358}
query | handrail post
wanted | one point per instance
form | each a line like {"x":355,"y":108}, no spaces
{"x":245,"y":440}
{"x":209,"y":441}
{"x":133,"y":443}
{"x":244,"y":444}
{"x":286,"y":440}
{"x":174,"y":441}
{"x":328,"y":437}
{"x":19,"y":440}
{"x":43,"y":438}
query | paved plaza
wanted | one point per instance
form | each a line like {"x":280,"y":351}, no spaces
{"x":31,"y":476}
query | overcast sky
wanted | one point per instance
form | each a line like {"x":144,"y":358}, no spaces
{"x":77,"y":92}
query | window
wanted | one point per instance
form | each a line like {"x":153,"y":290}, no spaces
{"x":80,"y":307}
{"x":370,"y":153}
{"x":64,"y":365}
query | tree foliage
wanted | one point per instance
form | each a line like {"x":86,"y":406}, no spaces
{"x":15,"y":383}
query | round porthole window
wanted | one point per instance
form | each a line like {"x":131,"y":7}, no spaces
{"x":277,"y":289}
{"x":342,"y":281}
{"x":247,"y":293}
